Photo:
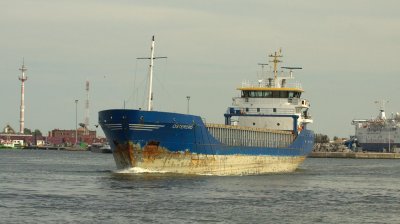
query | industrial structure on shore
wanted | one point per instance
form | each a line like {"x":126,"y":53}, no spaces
{"x":23,"y":78}
{"x":9,"y":138}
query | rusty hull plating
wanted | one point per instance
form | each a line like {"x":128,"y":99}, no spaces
{"x":155,"y":158}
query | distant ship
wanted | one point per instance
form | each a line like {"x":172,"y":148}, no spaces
{"x":100,"y":148}
{"x":380,"y":134}
{"x":265,"y":131}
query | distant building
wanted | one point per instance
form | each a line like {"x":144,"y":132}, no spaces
{"x":8,"y":130}
{"x":58,"y":136}
{"x":55,"y":137}
{"x":12,"y":139}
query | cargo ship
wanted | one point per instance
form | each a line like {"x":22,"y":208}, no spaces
{"x":265,"y":131}
{"x":380,"y":134}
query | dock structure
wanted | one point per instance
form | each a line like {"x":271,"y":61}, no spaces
{"x":57,"y":148}
{"x":355,"y":155}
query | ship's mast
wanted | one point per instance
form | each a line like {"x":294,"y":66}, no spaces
{"x":275,"y":60}
{"x":150,"y":87}
{"x":23,"y":78}
{"x":150,"y":94}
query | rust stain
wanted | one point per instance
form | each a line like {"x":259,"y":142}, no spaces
{"x":123,"y":155}
{"x":152,"y":150}
{"x":203,"y":161}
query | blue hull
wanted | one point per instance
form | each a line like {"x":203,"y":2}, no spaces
{"x":129,"y":132}
{"x":378,"y":147}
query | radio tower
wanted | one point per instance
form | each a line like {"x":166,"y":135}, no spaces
{"x":87,"y":109}
{"x":23,"y":78}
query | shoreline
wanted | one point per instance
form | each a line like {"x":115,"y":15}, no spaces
{"x":355,"y":155}
{"x":53,"y":148}
{"x":343,"y":155}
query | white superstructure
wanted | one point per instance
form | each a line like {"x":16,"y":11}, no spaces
{"x":271,"y":102}
{"x":380,"y":133}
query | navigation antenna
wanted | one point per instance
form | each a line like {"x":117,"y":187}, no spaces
{"x":262,"y":67}
{"x":150,"y":93}
{"x":276,"y":55}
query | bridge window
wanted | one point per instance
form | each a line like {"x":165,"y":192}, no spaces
{"x":283,"y":94}
{"x":270,"y":94}
{"x":267,"y":94}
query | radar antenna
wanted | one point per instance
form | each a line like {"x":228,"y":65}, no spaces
{"x":291,"y":69}
{"x":382,"y":104}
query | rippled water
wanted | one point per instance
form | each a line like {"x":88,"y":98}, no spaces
{"x":83,"y":187}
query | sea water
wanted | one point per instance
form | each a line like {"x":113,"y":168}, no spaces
{"x":39,"y":186}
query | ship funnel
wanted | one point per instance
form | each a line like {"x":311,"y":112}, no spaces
{"x":382,"y":115}
{"x":382,"y":103}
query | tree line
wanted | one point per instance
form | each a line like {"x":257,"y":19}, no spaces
{"x":36,"y":132}
{"x":321,"y":138}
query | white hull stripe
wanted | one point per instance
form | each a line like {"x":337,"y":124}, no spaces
{"x":140,"y":129}
{"x":147,"y":125}
{"x":135,"y":127}
{"x":144,"y":127}
{"x":113,"y":125}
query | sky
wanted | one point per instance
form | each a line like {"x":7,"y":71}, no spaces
{"x":348,"y":50}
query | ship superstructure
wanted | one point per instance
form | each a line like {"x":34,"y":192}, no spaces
{"x":271,"y":102}
{"x":265,"y":131}
{"x":380,"y":134}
